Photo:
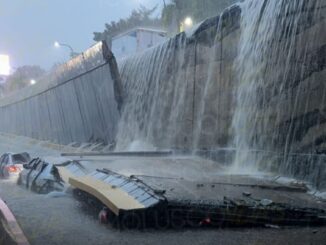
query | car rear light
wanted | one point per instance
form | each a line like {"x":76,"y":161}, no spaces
{"x":12,"y":169}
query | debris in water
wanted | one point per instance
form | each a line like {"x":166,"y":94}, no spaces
{"x":266,"y":202}
{"x":272,"y":226}
{"x":247,"y":194}
{"x":56,"y":194}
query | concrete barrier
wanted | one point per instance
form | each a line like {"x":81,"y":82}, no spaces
{"x":10,"y":231}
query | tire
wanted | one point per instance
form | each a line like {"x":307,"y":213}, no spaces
{"x":19,"y":181}
{"x":46,"y":188}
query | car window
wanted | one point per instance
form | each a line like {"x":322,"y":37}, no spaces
{"x":36,"y":164}
{"x":31,"y":163}
{"x":40,"y":166}
{"x":6,"y":159}
{"x":19,"y":158}
{"x":2,"y":160}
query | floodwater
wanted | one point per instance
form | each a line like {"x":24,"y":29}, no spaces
{"x":61,"y":220}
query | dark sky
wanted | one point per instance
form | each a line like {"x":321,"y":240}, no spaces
{"x":28,"y":28}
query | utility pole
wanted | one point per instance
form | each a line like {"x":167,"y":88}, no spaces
{"x":72,"y":52}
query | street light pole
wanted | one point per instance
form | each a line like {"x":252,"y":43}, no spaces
{"x":72,"y":52}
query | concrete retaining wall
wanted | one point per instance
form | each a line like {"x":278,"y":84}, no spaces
{"x":78,"y":102}
{"x":180,"y":94}
{"x":289,"y":114}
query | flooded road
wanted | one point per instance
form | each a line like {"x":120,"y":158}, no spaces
{"x":47,"y":219}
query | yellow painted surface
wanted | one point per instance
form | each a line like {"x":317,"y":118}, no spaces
{"x":65,"y":174}
{"x":113,"y":197}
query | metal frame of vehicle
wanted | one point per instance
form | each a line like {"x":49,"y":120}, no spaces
{"x":41,"y":177}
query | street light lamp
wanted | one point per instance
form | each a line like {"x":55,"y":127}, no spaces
{"x":188,"y":22}
{"x":32,"y":81}
{"x":58,"y":45}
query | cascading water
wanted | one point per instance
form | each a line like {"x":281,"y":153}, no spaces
{"x":258,"y":24}
{"x":268,"y":70}
{"x":200,"y":131}
{"x":253,"y":83}
{"x":155,"y":111}
{"x":172,"y":90}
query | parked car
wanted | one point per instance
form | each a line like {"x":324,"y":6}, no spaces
{"x":11,"y":164}
{"x":43,"y":175}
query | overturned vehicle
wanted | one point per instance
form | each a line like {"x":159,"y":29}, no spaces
{"x":47,"y":175}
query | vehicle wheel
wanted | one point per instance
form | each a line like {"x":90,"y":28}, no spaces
{"x":46,"y":188}
{"x":19,"y":181}
{"x":35,"y":188}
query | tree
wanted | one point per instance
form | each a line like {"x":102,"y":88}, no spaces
{"x":169,"y":18}
{"x":22,"y":77}
{"x":139,"y":17}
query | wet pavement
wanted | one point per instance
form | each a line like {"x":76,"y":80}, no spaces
{"x":59,"y":219}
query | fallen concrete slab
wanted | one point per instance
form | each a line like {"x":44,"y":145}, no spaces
{"x":117,"y":192}
{"x":70,"y":169}
{"x":142,"y":201}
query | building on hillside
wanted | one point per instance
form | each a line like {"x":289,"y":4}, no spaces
{"x":136,"y":40}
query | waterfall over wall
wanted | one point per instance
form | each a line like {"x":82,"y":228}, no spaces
{"x":252,"y":80}
{"x":165,"y":86}
{"x":280,"y":101}
{"x":157,"y":87}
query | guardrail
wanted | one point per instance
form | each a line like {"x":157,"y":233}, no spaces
{"x":126,"y":154}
